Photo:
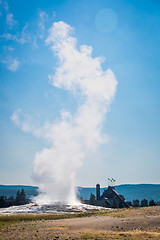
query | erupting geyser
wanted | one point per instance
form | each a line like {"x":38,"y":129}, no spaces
{"x":73,"y":136}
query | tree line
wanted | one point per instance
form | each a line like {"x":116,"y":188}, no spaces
{"x":144,"y":203}
{"x":134,"y":203}
{"x":20,"y":199}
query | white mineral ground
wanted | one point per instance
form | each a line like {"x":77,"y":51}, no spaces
{"x":59,"y":208}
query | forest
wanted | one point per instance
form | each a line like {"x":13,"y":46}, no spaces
{"x":20,"y":199}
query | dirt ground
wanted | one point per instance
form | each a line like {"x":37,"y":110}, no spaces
{"x":129,"y":224}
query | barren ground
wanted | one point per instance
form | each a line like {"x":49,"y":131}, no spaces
{"x":129,"y":224}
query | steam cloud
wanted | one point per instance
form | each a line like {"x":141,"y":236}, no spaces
{"x":74,"y":135}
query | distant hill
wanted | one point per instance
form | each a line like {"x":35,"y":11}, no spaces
{"x":140,"y":191}
{"x":11,"y":190}
{"x":130,"y":191}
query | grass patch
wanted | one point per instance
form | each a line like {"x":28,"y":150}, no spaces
{"x":48,"y":216}
{"x":45,"y":216}
{"x":87,"y":235}
{"x":138,"y":235}
{"x":108,"y":236}
{"x":65,"y":226}
{"x":37,"y":217}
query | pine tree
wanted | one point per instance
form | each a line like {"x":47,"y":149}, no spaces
{"x":92,"y":199}
{"x":3,"y":202}
{"x":144,"y":203}
{"x":17,"y":202}
{"x":136,"y":203}
{"x":152,"y":203}
{"x":21,"y":198}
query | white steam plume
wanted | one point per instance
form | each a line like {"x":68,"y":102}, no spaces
{"x":74,"y":135}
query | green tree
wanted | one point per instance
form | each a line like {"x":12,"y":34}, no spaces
{"x":3,"y":202}
{"x":17,"y":202}
{"x":135,"y":203}
{"x":92,"y":199}
{"x":144,"y":203}
{"x":21,"y":198}
{"x":158,"y":203}
{"x":11,"y":201}
{"x":152,"y":203}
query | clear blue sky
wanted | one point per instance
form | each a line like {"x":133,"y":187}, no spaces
{"x":129,"y":40}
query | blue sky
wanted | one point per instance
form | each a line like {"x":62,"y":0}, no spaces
{"x":129,"y":40}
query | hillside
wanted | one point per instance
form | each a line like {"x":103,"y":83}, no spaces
{"x":11,"y":190}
